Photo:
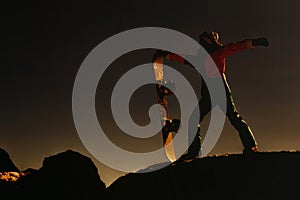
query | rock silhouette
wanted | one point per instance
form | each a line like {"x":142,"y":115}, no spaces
{"x":6,"y":164}
{"x":67,"y":175}
{"x":265,"y":175}
{"x":70,"y":175}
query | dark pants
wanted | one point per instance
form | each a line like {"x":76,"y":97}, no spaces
{"x":236,"y":120}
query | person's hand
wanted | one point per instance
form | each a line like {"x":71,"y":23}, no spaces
{"x":262,"y":41}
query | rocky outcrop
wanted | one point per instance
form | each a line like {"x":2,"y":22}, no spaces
{"x":268,"y":175}
{"x":67,"y":175}
{"x":6,"y":164}
{"x":70,"y":175}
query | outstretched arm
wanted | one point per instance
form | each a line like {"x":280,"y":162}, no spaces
{"x":232,"y":48}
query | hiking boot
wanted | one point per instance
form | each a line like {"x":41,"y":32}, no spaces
{"x":250,"y":150}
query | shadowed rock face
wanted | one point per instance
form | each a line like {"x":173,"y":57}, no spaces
{"x":273,"y":175}
{"x":70,"y":175}
{"x":6,"y":164}
{"x":67,"y":175}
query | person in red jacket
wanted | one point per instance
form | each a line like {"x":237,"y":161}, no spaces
{"x":218,"y":52}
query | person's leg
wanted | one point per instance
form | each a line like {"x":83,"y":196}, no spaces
{"x":195,"y":138}
{"x":239,"y":123}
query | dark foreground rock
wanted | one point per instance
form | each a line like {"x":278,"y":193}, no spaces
{"x":67,"y":175}
{"x":260,"y":176}
{"x":70,"y":175}
{"x":6,"y":164}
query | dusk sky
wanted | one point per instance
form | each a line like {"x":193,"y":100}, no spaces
{"x":44,"y":44}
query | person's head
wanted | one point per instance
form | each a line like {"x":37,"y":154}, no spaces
{"x":210,"y":41}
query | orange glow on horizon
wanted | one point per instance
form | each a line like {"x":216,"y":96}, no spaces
{"x":11,"y":176}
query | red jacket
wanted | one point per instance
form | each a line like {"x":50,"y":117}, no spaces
{"x":219,"y":57}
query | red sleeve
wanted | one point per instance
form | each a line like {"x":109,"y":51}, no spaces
{"x":175,"y":57}
{"x":232,"y":48}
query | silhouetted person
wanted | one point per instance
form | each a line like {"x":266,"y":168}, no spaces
{"x":218,"y":52}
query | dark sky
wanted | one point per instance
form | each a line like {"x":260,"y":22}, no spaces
{"x":44,"y":44}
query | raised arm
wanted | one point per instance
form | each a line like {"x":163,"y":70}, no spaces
{"x":232,"y":48}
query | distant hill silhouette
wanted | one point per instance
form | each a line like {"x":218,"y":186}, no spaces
{"x":70,"y":175}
